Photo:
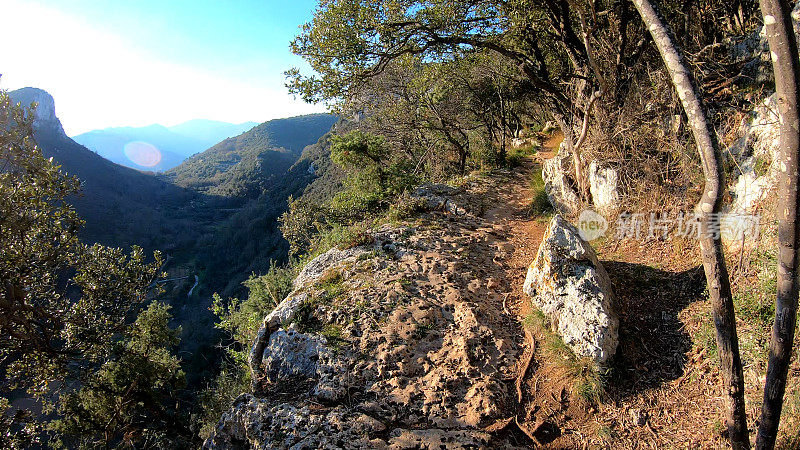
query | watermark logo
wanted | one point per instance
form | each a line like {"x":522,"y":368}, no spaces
{"x":666,"y":225}
{"x":591,"y":225}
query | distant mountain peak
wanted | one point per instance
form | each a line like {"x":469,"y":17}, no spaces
{"x":45,"y":116}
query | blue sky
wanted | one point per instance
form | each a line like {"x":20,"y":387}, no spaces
{"x":134,"y":63}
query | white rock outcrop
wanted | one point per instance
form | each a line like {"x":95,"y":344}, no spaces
{"x":315,"y":268}
{"x":604,"y":187}
{"x":570,"y":286}
{"x":560,"y":192}
{"x":44,"y":118}
{"x":754,"y":157}
{"x":261,"y":424}
{"x":286,"y":309}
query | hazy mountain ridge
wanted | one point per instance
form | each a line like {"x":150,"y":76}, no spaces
{"x":211,"y":131}
{"x":175,"y":143}
{"x":121,"y":206}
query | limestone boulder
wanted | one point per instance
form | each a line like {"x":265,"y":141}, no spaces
{"x":318,"y":266}
{"x":286,"y":310}
{"x":569,"y":285}
{"x":604,"y":187}
{"x":560,"y":192}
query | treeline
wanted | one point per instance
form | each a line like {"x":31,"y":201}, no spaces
{"x":449,"y":84}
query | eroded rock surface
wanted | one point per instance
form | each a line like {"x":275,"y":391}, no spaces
{"x":315,"y":268}
{"x":569,"y":285}
{"x":604,"y":187}
{"x":402,"y":344}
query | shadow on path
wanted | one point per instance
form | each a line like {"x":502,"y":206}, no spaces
{"x":653,"y":343}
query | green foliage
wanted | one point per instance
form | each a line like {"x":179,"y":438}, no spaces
{"x":62,"y":300}
{"x":17,"y":429}
{"x":130,"y":400}
{"x":231,"y":381}
{"x":331,"y":284}
{"x":518,"y":154}
{"x":375,"y":178}
{"x":246,"y":165}
{"x":404,"y":207}
{"x":540,"y":203}
{"x":440,"y":102}
{"x":761,"y":166}
{"x":301,"y":223}
{"x":374,"y":174}
{"x":240,"y":320}
{"x":66,"y":306}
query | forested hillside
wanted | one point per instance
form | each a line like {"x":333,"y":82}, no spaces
{"x":246,"y":165}
{"x":215,"y":232}
{"x":121,"y":206}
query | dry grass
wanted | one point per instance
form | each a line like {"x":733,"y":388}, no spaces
{"x":584,"y":380}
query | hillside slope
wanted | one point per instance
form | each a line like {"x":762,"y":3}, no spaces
{"x":121,"y":206}
{"x":248,"y":164}
{"x":422,"y":337}
{"x":221,"y":240}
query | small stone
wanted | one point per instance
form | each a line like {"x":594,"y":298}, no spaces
{"x":638,"y":417}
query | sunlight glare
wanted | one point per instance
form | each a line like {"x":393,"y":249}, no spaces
{"x":142,"y":153}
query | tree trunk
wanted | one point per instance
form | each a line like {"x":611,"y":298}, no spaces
{"x":719,"y":287}
{"x":565,"y":125}
{"x":783,"y":47}
{"x":503,"y":127}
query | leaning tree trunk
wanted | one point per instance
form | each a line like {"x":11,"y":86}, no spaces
{"x":783,"y":47}
{"x":719,"y":287}
{"x":565,"y":124}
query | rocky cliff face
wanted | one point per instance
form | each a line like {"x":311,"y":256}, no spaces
{"x":45,"y":118}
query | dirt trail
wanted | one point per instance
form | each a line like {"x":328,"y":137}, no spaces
{"x":427,"y":342}
{"x":512,"y":218}
{"x":649,"y":401}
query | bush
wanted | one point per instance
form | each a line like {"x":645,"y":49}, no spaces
{"x":241,"y":321}
{"x":375,"y":180}
{"x":540,"y":203}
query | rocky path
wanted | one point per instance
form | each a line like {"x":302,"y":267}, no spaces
{"x":412,"y":341}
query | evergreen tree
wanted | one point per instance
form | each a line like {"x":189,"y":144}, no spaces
{"x":66,"y":310}
{"x":131,"y":399}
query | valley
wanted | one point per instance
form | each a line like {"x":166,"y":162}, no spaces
{"x":156,"y":147}
{"x":213,"y":217}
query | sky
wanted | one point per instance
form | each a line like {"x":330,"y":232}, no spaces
{"x":139,"y":62}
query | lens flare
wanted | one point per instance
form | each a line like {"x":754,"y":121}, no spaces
{"x":142,"y":153}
